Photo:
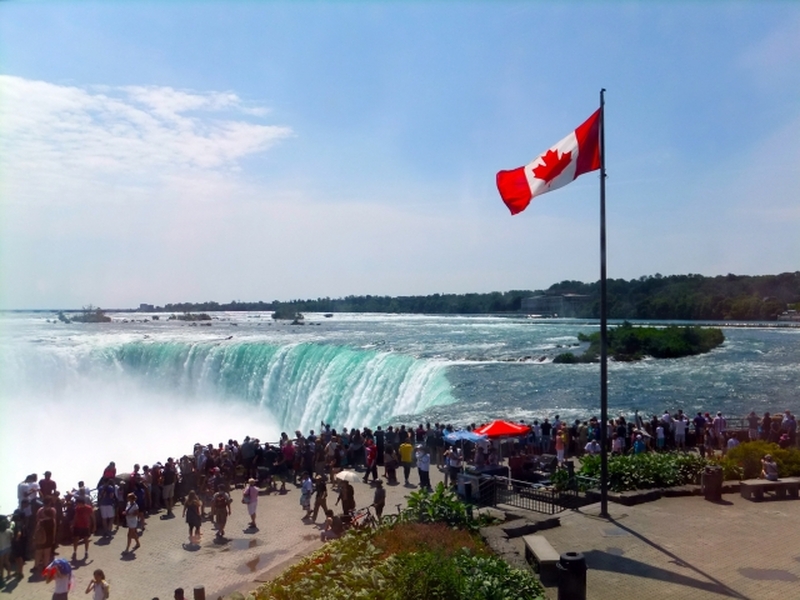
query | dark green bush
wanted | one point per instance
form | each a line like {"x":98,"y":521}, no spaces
{"x":426,"y":575}
{"x":442,"y":506}
{"x":744,"y":461}
{"x":626,"y":342}
{"x":646,"y":471}
{"x":491,"y":578}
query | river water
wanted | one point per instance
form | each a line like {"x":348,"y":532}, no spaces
{"x":75,"y":396}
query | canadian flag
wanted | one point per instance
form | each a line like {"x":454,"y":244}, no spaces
{"x":576,"y":154}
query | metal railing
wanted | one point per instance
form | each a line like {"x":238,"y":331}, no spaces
{"x":525,"y":495}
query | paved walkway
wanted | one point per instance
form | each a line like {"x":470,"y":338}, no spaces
{"x":165,"y":561}
{"x":686,"y":548}
{"x":672,"y":548}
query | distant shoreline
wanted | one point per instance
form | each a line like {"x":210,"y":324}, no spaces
{"x":577,"y":321}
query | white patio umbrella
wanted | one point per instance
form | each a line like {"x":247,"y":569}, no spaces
{"x":351,"y":476}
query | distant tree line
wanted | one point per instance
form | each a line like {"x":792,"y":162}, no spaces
{"x":684,"y":297}
{"x":493,"y":302}
{"x":689,"y":297}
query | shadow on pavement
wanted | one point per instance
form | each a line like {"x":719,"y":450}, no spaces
{"x":612,"y":561}
{"x":10,"y":585}
{"x":767,"y":574}
{"x":620,"y":564}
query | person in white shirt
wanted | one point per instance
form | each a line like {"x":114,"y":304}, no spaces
{"x":424,"y":467}
{"x":680,"y":433}
{"x":593,"y":447}
{"x":617,"y":444}
{"x":27,"y":493}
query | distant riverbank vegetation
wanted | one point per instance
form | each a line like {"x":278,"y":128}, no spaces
{"x":190,"y":317}
{"x":628,"y":343}
{"x":656,"y":297}
{"x":89,"y":314}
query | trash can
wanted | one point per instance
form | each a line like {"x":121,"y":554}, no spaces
{"x":571,"y":576}
{"x":712,"y":483}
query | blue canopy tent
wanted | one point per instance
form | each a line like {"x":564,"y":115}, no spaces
{"x":461,"y":435}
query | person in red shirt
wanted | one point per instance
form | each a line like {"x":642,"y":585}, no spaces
{"x":371,"y":455}
{"x":110,"y":472}
{"x":47,"y":487}
{"x":83,"y":526}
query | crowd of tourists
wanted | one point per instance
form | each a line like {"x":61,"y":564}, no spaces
{"x":199,"y":485}
{"x":667,"y":431}
{"x":201,"y":482}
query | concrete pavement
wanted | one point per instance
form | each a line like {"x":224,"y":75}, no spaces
{"x":685,"y":548}
{"x":165,"y":561}
{"x":676,"y":548}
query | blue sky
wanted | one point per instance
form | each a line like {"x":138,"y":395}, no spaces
{"x":186,"y":151}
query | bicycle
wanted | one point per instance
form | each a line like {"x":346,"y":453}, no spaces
{"x":393,"y":519}
{"x":363,"y":518}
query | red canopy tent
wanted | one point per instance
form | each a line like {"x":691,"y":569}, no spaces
{"x":497,"y":429}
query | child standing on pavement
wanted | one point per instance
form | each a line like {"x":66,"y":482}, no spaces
{"x":59,"y":571}
{"x":99,"y":586}
{"x":192,"y":510}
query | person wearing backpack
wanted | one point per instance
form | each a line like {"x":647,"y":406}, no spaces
{"x":107,"y":501}
{"x":221,"y":505}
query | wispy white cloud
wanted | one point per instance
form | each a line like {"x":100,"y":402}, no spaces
{"x":57,"y":136}
{"x":99,"y":184}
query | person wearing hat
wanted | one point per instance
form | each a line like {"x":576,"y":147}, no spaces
{"x":250,"y":497}
{"x":639,"y":445}
{"x":379,"y":499}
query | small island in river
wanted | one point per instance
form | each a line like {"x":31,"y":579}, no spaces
{"x":628,"y":343}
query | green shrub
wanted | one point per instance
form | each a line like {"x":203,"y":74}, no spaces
{"x":352,"y":562}
{"x":442,"y":506}
{"x":357,"y":570}
{"x":403,"y":563}
{"x":424,"y":576}
{"x":491,"y":578}
{"x":646,"y":471}
{"x":744,"y":461}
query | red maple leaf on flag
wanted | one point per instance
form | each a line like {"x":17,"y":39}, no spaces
{"x":553,"y":165}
